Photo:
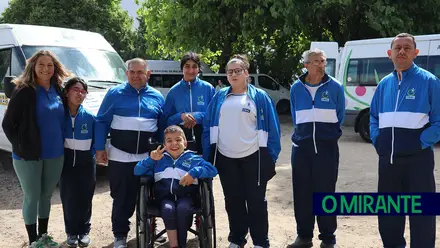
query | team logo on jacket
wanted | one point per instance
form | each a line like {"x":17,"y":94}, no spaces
{"x":200,"y":100}
{"x":411,"y":94}
{"x":187,"y":163}
{"x":84,"y":129}
{"x":324,"y":96}
{"x":59,"y":100}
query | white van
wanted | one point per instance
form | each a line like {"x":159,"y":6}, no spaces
{"x":164,"y":74}
{"x":86,"y":54}
{"x":360,"y":65}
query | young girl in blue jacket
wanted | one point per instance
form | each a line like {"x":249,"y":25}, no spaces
{"x":175,"y":173}
{"x":77,"y":184}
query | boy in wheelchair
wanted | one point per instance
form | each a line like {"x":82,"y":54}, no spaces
{"x":175,"y":174}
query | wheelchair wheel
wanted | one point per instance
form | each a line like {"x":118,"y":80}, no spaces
{"x":143,"y":223}
{"x":206,"y":233}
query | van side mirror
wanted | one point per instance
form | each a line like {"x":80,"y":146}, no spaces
{"x":8,"y":86}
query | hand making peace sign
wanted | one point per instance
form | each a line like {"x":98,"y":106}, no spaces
{"x":157,"y":154}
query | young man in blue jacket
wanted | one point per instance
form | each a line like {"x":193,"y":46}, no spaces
{"x":132,"y":113}
{"x":404,"y":126}
{"x":187,"y":101}
{"x":318,"y":108}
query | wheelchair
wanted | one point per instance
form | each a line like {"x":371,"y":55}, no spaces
{"x":148,"y":209}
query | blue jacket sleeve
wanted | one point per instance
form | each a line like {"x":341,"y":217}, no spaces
{"x":161,"y":121}
{"x":171,"y":116}
{"x":274,"y":133}
{"x":431,"y":135}
{"x":341,"y":105}
{"x":292,"y":104}
{"x":103,"y":121}
{"x":206,"y":140}
{"x":203,"y":169}
{"x":374,"y":115}
{"x":145,"y":167}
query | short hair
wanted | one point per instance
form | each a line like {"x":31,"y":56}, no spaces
{"x":137,"y":61}
{"x":239,"y":58}
{"x":190,"y":56}
{"x":174,"y":129}
{"x":403,"y":35}
{"x":312,"y":52}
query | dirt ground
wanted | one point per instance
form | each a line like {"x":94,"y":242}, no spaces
{"x":358,"y":173}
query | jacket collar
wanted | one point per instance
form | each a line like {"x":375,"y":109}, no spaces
{"x":324,"y":79}
{"x":407,"y":72}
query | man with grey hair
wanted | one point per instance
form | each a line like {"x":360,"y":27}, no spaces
{"x":132,"y":113}
{"x":318,"y":108}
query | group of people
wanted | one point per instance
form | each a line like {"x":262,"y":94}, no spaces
{"x":198,"y":132}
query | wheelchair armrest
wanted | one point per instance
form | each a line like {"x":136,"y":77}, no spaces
{"x":147,"y":180}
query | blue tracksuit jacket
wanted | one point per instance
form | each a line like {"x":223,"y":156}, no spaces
{"x":405,"y":115}
{"x":133,"y":118}
{"x":318,"y":118}
{"x":185,"y":97}
{"x":79,"y":137}
{"x":167,"y":173}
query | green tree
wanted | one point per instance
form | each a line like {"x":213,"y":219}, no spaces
{"x":218,"y":29}
{"x":103,"y":16}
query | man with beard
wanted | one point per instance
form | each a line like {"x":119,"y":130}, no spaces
{"x":318,"y":109}
{"x":404,"y":126}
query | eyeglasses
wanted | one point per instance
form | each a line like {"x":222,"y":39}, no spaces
{"x":78,"y":90}
{"x":237,"y":71}
{"x":318,"y":62}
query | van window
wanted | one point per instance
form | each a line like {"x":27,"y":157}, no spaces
{"x":213,"y":80}
{"x":267,"y":83}
{"x":5,"y":65}
{"x":368,"y":72}
{"x":90,"y":64}
{"x":330,"y":68}
{"x":155,"y":80}
{"x":168,"y":80}
{"x":434,"y":65}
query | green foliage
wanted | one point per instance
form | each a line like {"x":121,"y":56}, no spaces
{"x":103,"y":16}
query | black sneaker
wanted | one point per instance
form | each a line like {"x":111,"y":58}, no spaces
{"x":84,"y":240}
{"x":324,"y":245}
{"x":72,"y":240}
{"x":301,"y":243}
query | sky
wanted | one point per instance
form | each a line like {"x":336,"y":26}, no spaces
{"x":128,"y":5}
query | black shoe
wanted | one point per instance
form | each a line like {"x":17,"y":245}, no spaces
{"x":324,"y":245}
{"x":301,"y":243}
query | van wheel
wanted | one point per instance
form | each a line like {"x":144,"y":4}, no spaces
{"x":364,"y":127}
{"x":283,"y":107}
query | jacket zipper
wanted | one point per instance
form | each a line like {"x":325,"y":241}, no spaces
{"x":139,"y":115}
{"x":314,"y":126}
{"x":174,"y":167}
{"x":191,"y":107}
{"x":73,"y":136}
{"x":392,"y":128}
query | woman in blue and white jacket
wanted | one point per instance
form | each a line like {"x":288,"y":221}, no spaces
{"x":241,"y":136}
{"x":77,"y":183}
